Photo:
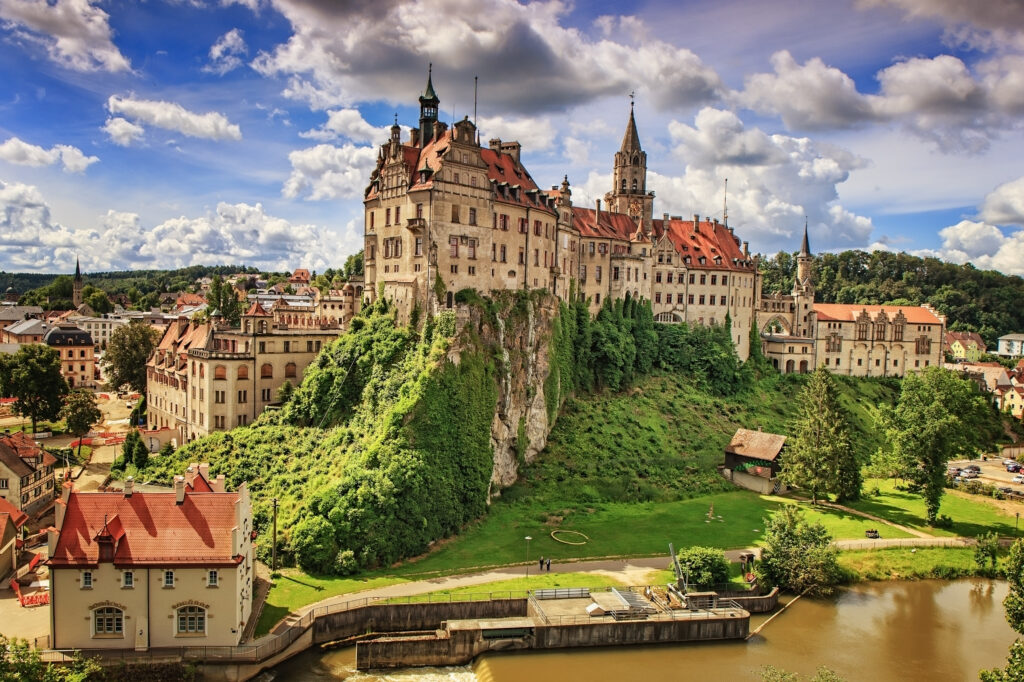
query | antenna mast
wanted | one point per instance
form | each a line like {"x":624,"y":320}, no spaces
{"x":725,"y":204}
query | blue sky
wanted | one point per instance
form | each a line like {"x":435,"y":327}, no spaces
{"x":162,"y":133}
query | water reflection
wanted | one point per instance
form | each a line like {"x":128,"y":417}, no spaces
{"x":927,"y":630}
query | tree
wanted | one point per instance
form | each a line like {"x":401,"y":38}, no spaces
{"x":6,"y":367}
{"x":820,"y":456}
{"x":986,"y":552}
{"x":284,"y":393}
{"x":127,"y":352}
{"x":315,"y":546}
{"x":37,"y":383}
{"x":1014,"y":606}
{"x":354,"y":265}
{"x":936,"y":419}
{"x":222,"y":297}
{"x":20,"y":662}
{"x":80,"y":413}
{"x":704,"y":566}
{"x":797,"y":555}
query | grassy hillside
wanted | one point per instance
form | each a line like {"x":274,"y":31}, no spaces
{"x":662,"y":439}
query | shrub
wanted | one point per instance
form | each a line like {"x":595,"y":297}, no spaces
{"x":704,"y":566}
{"x":314,"y":545}
{"x":345,"y":563}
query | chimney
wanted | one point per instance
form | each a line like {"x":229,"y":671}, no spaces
{"x":51,"y":540}
{"x":597,"y":214}
{"x":414,"y":137}
{"x":218,"y":484}
{"x":179,"y":489}
{"x":696,"y":223}
{"x":129,"y":486}
{"x":746,"y":249}
{"x":182,"y":325}
{"x":204,"y":471}
{"x":495,"y":144}
{"x":664,"y":218}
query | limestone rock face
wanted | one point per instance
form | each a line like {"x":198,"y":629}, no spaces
{"x":519,"y":334}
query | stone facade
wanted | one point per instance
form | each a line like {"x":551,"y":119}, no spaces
{"x":77,"y":354}
{"x":443,"y":213}
{"x":26,"y":473}
{"x":206,"y":377}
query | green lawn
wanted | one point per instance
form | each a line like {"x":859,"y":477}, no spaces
{"x":906,"y":564}
{"x":971,"y":514}
{"x":518,"y":586}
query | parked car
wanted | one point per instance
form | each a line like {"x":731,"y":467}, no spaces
{"x":1006,"y":490}
{"x":1008,"y":462}
{"x":953,"y":471}
{"x":1019,"y":478}
{"x":968,"y":473}
{"x":1013,"y":467}
{"x":973,"y":467}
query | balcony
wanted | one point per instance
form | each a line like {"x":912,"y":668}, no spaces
{"x":415,"y":224}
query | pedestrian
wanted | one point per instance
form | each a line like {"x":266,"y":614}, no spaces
{"x":542,"y":563}
{"x":549,"y":565}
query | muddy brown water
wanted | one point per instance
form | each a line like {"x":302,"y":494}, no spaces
{"x":927,"y":630}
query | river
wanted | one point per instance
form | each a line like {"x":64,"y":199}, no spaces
{"x":927,"y":630}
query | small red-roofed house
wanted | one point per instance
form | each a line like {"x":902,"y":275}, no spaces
{"x":140,"y":570}
{"x":26,"y":473}
{"x":12,"y":520}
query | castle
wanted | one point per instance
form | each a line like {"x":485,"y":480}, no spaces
{"x":443,"y":213}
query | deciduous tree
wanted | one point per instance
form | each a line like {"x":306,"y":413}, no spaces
{"x":127,"y":352}
{"x":37,"y":383}
{"x":223,"y":298}
{"x":936,"y":419}
{"x":1014,"y":605}
{"x":798,"y":555}
{"x":80,"y":413}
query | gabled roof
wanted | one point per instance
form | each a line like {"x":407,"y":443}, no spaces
{"x":10,"y":459}
{"x":756,"y":444}
{"x":965,"y":339}
{"x":608,"y":225}
{"x":25,"y":447}
{"x":18,"y":517}
{"x":709,"y":240}
{"x":256,"y":310}
{"x":12,"y":313}
{"x":31,"y":326}
{"x":149,"y":529}
{"x":841,"y":312}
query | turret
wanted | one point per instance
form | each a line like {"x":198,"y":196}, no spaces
{"x":428,"y":109}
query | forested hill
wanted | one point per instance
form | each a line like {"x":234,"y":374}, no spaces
{"x":984,"y":301}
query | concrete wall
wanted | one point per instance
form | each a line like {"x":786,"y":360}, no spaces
{"x":758,"y":484}
{"x":409,"y":617}
{"x":754,"y":604}
{"x":640,"y":632}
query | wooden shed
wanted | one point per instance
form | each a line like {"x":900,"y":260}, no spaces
{"x":753,"y":460}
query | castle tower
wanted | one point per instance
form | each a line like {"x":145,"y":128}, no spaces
{"x":76,"y":290}
{"x":428,"y":109}
{"x":803,"y":290}
{"x":629,"y":189}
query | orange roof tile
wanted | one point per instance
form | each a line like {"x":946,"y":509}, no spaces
{"x":256,"y":310}
{"x":16,"y":515}
{"x":148,"y":529}
{"x":711,"y":241}
{"x":609,"y":226}
{"x":841,"y":312}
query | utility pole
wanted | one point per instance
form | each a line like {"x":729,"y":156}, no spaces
{"x":528,"y":538}
{"x":273,"y":551}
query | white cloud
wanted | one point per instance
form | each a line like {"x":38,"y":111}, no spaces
{"x":123,"y":131}
{"x":31,"y":240}
{"x":329,"y":172}
{"x":535,"y":134}
{"x":75,"y":33}
{"x":226,"y":54}
{"x":527,"y":60}
{"x":987,"y":25}
{"x":984,"y":245}
{"x":577,"y":151}
{"x":349,"y":124}
{"x":1005,"y":204}
{"x":171,"y":116}
{"x":22,"y":153}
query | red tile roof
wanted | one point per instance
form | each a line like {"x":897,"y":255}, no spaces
{"x":149,"y":529}
{"x":190,"y":300}
{"x":608,"y":226}
{"x":256,"y":310}
{"x":840,"y":312}
{"x":24,"y":447}
{"x":16,"y":515}
{"x":712,"y":241}
{"x":965,"y":338}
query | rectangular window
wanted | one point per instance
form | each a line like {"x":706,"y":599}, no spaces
{"x":502,"y":252}
{"x":472,"y":248}
{"x":591,"y":248}
{"x":454,"y":269}
{"x":522,"y":256}
{"x":725,"y":280}
{"x":691,"y":279}
{"x":597,"y":273}
{"x":3,"y":484}
{"x":419,"y":246}
{"x":472,"y":216}
{"x":657,"y":277}
{"x":243,"y":396}
{"x":372,"y":219}
{"x":703,"y":279}
{"x":657,"y":298}
{"x":387,"y":216}
{"x":264,"y":395}
{"x":398,"y":215}
{"x":494,"y":251}
{"x":419,"y":210}
{"x":86,"y":580}
{"x":714,"y":280}
{"x":701,"y":299}
{"x":668,"y":279}
{"x":615,"y":274}
{"x":455,"y":213}
{"x":523,"y":227}
{"x":128,"y":579}
{"x":536,"y":257}
{"x":453,"y":247}
{"x":668,"y":298}
{"x":211,"y":580}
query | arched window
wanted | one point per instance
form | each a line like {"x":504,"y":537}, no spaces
{"x":448,"y":300}
{"x":636,"y":160}
{"x":634,"y":184}
{"x":220,"y":372}
{"x":243,"y":372}
{"x":267,"y":371}
{"x":623,"y":184}
{"x":263,"y":326}
{"x":191,"y":620}
{"x":108,"y":620}
{"x":289,"y":370}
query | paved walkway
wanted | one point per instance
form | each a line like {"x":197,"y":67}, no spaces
{"x":877,"y":519}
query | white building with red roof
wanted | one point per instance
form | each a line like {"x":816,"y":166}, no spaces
{"x":141,"y":570}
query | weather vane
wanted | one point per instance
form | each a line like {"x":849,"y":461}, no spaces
{"x":632,"y":98}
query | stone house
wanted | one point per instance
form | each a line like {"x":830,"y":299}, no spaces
{"x":77,"y":354}
{"x":140,"y":570}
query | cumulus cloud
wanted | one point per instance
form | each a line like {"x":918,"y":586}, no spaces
{"x":329,"y":172}
{"x":30,"y":239}
{"x":939,"y":98}
{"x":348,"y":124}
{"x":172,"y":116}
{"x":1005,"y":204}
{"x":536,"y":134}
{"x":123,"y":131}
{"x":527,"y":60}
{"x":774,"y":182}
{"x":75,"y":33}
{"x":226,"y":54}
{"x":987,"y":25}
{"x":984,"y":245}
{"x":22,"y":153}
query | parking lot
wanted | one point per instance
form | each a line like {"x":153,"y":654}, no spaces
{"x":993,"y":472}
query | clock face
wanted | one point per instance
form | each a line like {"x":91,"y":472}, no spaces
{"x":635,"y":207}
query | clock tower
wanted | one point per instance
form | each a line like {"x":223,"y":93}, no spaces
{"x":629,"y":193}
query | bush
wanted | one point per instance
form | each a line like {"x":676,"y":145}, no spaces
{"x":345,"y":563}
{"x":704,"y":566}
{"x":314,"y":545}
{"x":798,"y":556}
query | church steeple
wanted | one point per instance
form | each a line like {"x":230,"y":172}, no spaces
{"x":805,"y":249}
{"x":76,"y":285}
{"x":803,"y":289}
{"x":629,"y":193}
{"x":428,"y":109}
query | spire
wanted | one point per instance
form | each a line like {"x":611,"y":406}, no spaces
{"x":78,"y":270}
{"x":631,"y":140}
{"x":429,"y":93}
{"x":805,"y":250}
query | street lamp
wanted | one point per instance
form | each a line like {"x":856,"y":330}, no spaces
{"x":528,"y":538}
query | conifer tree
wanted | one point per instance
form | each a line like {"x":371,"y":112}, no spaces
{"x":820,"y":456}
